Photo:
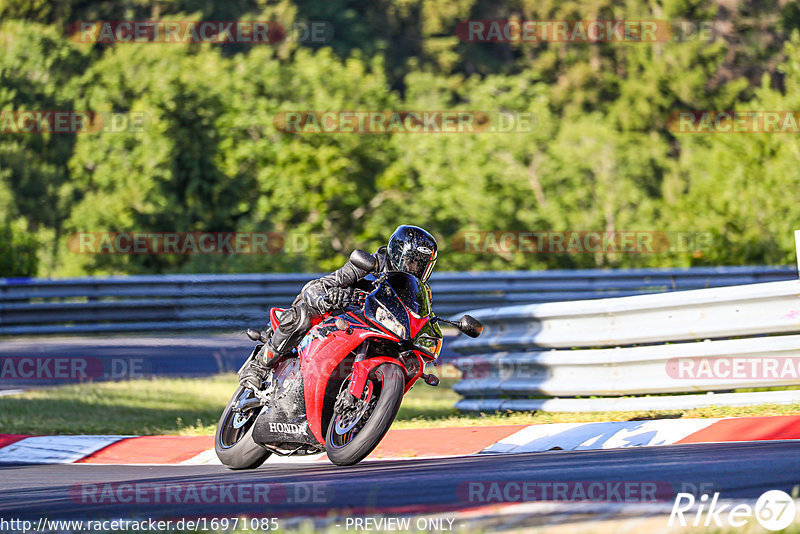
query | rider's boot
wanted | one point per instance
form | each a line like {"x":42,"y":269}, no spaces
{"x":254,"y":373}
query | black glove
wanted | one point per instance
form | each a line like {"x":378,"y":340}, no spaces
{"x":337,"y":298}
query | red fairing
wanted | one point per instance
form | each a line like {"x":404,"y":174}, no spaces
{"x":320,"y":357}
{"x":361,"y":372}
{"x":361,"y":369}
{"x":420,"y":369}
{"x":416,"y":324}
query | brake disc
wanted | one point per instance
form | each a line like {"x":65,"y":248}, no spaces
{"x":348,"y":420}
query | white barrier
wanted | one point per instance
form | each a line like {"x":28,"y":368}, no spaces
{"x":616,"y":404}
{"x":681,"y":367}
{"x":640,"y":345}
{"x":753,"y":309}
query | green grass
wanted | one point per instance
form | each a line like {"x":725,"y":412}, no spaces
{"x":157,"y":406}
{"x":193,"y":406}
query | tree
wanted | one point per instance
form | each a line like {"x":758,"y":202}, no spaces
{"x":741,"y":187}
{"x":18,"y":250}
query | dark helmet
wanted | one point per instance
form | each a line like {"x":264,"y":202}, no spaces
{"x":413,"y":250}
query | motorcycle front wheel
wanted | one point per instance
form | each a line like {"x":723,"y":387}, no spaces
{"x":233,"y":442}
{"x":354,"y":431}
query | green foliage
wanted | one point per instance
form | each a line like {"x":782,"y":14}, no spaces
{"x":598,"y":155}
{"x":743,"y":187}
{"x":17,"y":252}
{"x":37,"y":67}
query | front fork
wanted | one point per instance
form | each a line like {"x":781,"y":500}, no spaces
{"x":362,"y":368}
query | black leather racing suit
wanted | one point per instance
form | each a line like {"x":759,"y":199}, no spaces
{"x":295,"y":322}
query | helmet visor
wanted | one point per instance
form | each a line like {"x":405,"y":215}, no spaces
{"x":415,"y":262}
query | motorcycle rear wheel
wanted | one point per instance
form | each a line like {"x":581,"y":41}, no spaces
{"x":352,"y":446}
{"x":233,"y":442}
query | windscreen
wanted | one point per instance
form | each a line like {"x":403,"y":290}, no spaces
{"x":412,"y":292}
{"x":399,"y":294}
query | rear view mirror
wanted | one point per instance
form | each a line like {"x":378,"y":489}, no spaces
{"x":470,"y":326}
{"x":363,"y":260}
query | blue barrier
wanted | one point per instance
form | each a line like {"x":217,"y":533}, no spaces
{"x":218,"y":302}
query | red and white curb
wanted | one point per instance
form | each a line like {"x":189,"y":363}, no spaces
{"x":621,"y":434}
{"x":413,"y":443}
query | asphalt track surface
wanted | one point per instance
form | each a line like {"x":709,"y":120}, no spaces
{"x":122,"y":358}
{"x":736,"y":470}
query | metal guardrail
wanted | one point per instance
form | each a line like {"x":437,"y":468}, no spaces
{"x":233,"y":301}
{"x":639,"y":345}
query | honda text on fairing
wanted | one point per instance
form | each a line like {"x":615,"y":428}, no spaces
{"x":342,"y":391}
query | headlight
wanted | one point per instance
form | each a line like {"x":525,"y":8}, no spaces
{"x":388,"y":320}
{"x":431,"y":344}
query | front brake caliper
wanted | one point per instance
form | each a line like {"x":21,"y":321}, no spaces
{"x":345,"y":402}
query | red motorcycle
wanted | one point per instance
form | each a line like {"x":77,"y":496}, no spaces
{"x":342,"y":390}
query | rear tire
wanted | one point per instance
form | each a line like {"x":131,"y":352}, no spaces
{"x":235,"y":447}
{"x":391,"y":379}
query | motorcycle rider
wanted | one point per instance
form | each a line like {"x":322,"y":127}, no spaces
{"x":410,"y":249}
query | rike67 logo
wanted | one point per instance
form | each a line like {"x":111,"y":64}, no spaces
{"x":774,"y":510}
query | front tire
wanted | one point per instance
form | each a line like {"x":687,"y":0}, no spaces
{"x":233,"y":441}
{"x":351,"y":446}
